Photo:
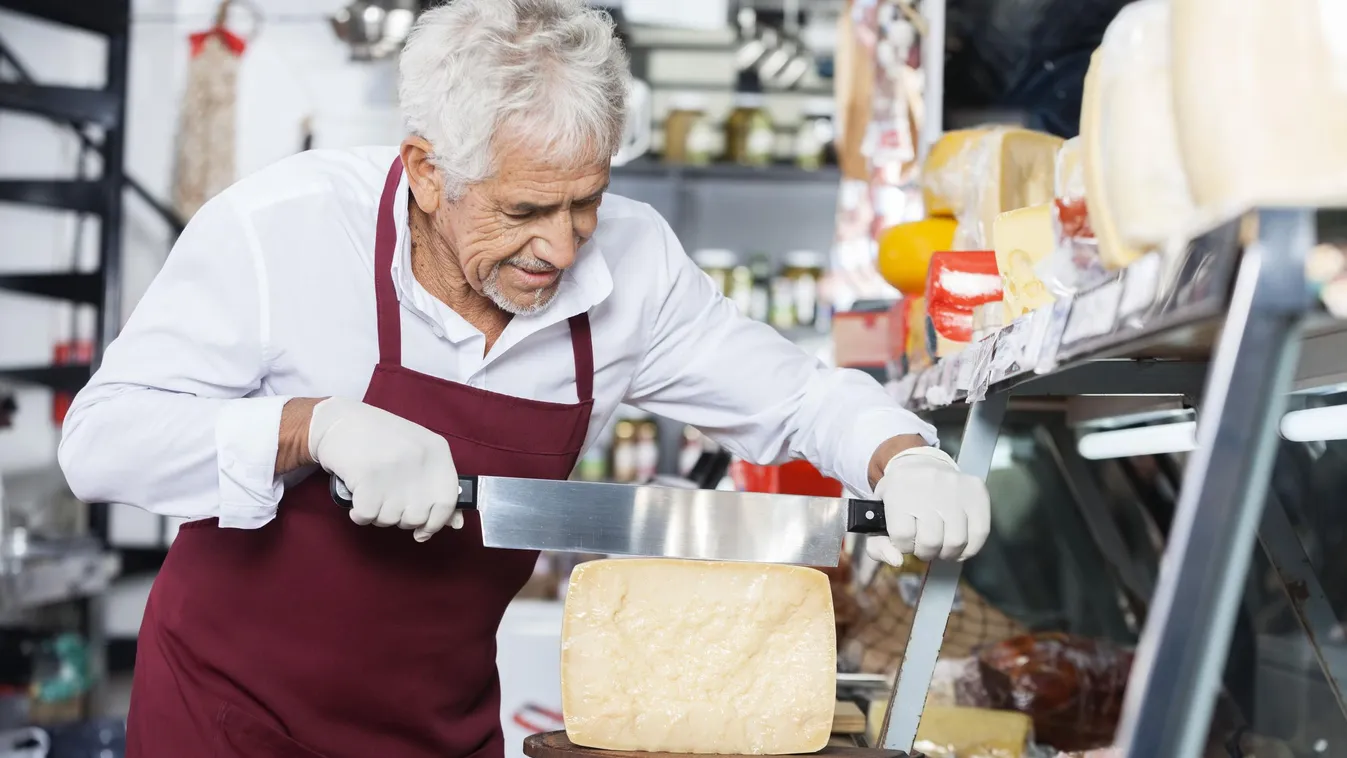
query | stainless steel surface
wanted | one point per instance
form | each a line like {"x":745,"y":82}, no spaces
{"x":938,"y":591}
{"x":1183,"y":648}
{"x":1308,"y":600}
{"x":619,"y":519}
{"x":52,"y":573}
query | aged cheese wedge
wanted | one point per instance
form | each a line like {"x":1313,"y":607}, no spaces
{"x":1011,"y":169}
{"x":698,"y":657}
{"x":954,"y":732}
{"x":1024,"y":239}
{"x":1260,"y":94}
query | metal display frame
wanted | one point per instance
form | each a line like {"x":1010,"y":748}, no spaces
{"x":1244,"y":282}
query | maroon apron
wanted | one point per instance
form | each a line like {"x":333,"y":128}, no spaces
{"x":313,"y":636}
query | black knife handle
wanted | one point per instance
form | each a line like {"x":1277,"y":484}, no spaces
{"x":467,"y":496}
{"x":866,"y":517}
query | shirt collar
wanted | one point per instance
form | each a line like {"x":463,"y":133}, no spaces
{"x":584,"y":285}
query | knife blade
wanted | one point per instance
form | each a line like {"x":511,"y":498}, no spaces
{"x":670,"y":522}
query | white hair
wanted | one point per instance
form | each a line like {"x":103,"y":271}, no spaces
{"x":551,"y":72}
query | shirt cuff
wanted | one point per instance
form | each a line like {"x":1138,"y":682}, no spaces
{"x":874,"y":428}
{"x":247,"y":433}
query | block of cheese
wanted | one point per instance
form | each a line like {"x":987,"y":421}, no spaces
{"x":1114,"y":253}
{"x":698,"y":657}
{"x":945,"y":173}
{"x":1145,"y":185}
{"x":1260,"y":93}
{"x":1025,"y":239}
{"x":905,"y":252}
{"x":955,"y":732}
{"x":1008,"y":169}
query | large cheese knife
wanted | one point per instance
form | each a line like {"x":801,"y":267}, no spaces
{"x":644,"y":520}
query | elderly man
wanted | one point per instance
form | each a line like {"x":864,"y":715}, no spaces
{"x":472,"y":302}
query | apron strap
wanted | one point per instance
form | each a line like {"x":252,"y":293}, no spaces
{"x":385,"y":295}
{"x":582,"y":344}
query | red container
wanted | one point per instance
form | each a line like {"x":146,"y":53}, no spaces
{"x":790,"y":478}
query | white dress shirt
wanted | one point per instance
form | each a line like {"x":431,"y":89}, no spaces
{"x":269,"y":295}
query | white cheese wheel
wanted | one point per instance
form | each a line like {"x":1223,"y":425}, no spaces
{"x":698,"y":657}
{"x":1114,"y":253}
{"x":1260,"y":94}
{"x":1146,"y":185}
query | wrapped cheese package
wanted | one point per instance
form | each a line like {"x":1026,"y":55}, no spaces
{"x":1260,"y":94}
{"x":1025,"y":241}
{"x":946,"y":172}
{"x":1114,"y":253}
{"x":1009,"y":169}
{"x":698,"y":657}
{"x":958,"y":282}
{"x":955,"y":732}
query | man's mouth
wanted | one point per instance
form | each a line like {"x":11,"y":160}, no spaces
{"x":534,"y":280}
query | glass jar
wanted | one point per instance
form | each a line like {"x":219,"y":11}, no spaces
{"x":718,"y":264}
{"x":814,"y":146}
{"x":804,"y":269}
{"x":749,"y":137}
{"x":685,"y":130}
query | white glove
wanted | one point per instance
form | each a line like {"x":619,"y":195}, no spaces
{"x":933,"y":509}
{"x":399,"y":473}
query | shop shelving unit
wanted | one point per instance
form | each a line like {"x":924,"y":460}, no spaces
{"x":1222,"y":326}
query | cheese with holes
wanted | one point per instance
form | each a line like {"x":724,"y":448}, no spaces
{"x":953,"y":732}
{"x":1141,"y":171}
{"x":1260,"y":91}
{"x":945,"y":173}
{"x":1009,"y":169}
{"x":1024,"y":240}
{"x":698,"y":657}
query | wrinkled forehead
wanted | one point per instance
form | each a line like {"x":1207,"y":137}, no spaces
{"x":522,"y":165}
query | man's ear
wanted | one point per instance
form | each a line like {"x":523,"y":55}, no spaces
{"x":424,"y":179}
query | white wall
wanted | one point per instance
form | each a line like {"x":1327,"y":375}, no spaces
{"x":295,"y":67}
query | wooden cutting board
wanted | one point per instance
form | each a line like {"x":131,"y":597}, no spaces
{"x":555,"y":745}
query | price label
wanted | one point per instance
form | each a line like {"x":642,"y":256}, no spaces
{"x":968,"y":360}
{"x":1141,"y":283}
{"x":1094,"y":313}
{"x":1053,"y":330}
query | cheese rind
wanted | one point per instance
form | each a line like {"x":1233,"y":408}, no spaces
{"x":1146,"y":186}
{"x":1260,"y":94}
{"x":1114,"y":252}
{"x":945,"y":173}
{"x":698,"y":657}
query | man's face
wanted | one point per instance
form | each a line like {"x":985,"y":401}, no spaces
{"x":516,"y":232}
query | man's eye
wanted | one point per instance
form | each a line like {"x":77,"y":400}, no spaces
{"x":525,"y":216}
{"x":588,"y":202}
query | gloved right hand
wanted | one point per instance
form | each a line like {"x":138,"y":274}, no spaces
{"x":399,"y":473}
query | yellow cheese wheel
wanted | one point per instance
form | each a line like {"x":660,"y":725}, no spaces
{"x":905,"y":252}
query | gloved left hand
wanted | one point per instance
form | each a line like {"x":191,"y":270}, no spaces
{"x":933,"y":509}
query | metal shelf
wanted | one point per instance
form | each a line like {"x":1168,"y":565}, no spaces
{"x":55,"y":573}
{"x":83,"y":196}
{"x":79,"y":288}
{"x":90,"y":106}
{"x":99,"y":16}
{"x":777,"y":172}
{"x":68,"y":378}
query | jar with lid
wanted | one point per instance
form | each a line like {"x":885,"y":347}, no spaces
{"x":759,"y":308}
{"x":718,"y":264}
{"x":688,"y":136}
{"x":814,"y":145}
{"x":804,"y":269}
{"x":749,"y":137}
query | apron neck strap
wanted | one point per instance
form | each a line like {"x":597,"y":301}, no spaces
{"x":385,"y":246}
{"x":389,"y":309}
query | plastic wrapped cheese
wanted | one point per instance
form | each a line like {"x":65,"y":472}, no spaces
{"x":698,"y":657}
{"x":1025,"y":239}
{"x":1260,"y":94}
{"x":1145,"y":181}
{"x":945,"y":173}
{"x":1008,"y":169}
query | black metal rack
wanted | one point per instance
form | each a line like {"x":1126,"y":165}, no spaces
{"x":78,"y":108}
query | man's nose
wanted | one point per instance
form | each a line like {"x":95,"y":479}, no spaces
{"x":559,"y":243}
